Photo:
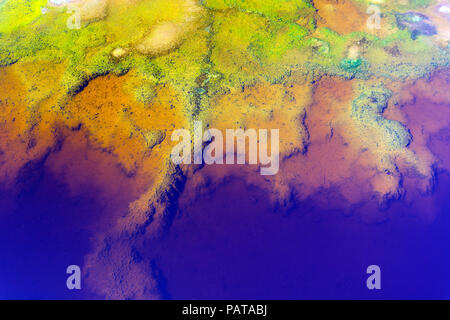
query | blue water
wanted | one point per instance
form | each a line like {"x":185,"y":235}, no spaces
{"x":41,"y":234}
{"x":232,"y":245}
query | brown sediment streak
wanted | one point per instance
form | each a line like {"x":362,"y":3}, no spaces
{"x":118,"y":125}
{"x":116,"y":269}
{"x":85,"y":146}
{"x":140,"y":187}
{"x":336,"y":159}
{"x":338,"y":154}
{"x":332,"y":157}
{"x":268,"y":106}
{"x":26,"y":132}
{"x":86,"y":169}
{"x":424,"y":107}
{"x":99,"y":142}
{"x":13,"y":124}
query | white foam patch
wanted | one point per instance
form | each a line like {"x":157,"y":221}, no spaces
{"x":444,"y":9}
{"x":59,"y":2}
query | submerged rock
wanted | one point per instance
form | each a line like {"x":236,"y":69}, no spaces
{"x":416,"y":23}
{"x":119,"y":52}
{"x":154,"y":137}
{"x":368,"y":109}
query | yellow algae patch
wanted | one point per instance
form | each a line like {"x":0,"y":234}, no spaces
{"x":152,"y":27}
{"x":168,"y":35}
{"x":88,"y":10}
{"x":93,"y":9}
{"x":161,"y":39}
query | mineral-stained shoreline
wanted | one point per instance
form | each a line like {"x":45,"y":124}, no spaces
{"x":344,"y":96}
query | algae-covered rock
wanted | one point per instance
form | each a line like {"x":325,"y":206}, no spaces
{"x":154,"y":137}
{"x":368,"y":109}
{"x":396,"y":135}
{"x":119,"y":52}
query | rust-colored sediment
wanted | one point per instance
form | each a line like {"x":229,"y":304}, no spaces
{"x":341,"y":16}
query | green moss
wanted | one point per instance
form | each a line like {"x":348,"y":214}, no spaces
{"x":86,"y":49}
{"x":319,"y":46}
{"x":420,"y":3}
{"x":249,"y":47}
{"x":234,"y":34}
{"x":273,"y":9}
{"x":251,"y":41}
{"x":74,"y":80}
{"x":145,"y":93}
{"x":14,"y":14}
{"x":282,"y":39}
{"x":399,"y":57}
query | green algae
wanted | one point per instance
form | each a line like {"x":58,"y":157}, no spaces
{"x":290,"y":10}
{"x":248,"y":47}
{"x":241,"y":43}
{"x":18,"y":13}
{"x":350,"y":64}
{"x":415,"y":58}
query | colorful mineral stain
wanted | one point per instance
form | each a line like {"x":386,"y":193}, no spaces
{"x":86,"y":123}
